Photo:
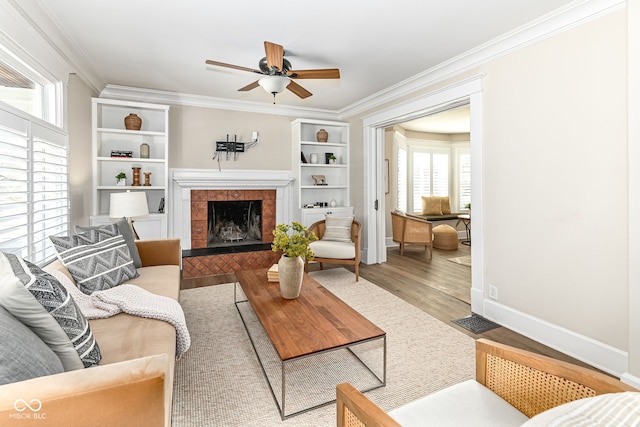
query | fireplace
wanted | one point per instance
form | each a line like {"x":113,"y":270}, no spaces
{"x":232,"y":223}
{"x":193,"y":191}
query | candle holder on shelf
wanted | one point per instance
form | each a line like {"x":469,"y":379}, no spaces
{"x":136,"y":176}
{"x":147,"y":179}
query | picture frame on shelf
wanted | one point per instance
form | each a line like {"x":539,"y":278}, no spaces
{"x":303,"y":158}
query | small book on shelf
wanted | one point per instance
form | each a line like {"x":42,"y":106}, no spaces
{"x":272,"y":273}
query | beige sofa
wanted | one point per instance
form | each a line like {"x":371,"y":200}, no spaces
{"x":133,"y":384}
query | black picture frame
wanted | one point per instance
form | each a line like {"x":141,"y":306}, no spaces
{"x":326,"y":157}
{"x":303,"y":158}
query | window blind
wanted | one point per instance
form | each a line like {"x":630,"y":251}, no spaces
{"x":34,"y":189}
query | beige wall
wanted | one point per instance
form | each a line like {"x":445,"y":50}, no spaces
{"x":555,"y":177}
{"x":79,"y":127}
{"x":194,"y":130}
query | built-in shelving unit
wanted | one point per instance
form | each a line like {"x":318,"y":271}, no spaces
{"x":109,"y":134}
{"x":306,"y":149}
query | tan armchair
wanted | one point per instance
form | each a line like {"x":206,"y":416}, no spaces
{"x":346,"y":253}
{"x":525,"y":381}
{"x":413,"y":230}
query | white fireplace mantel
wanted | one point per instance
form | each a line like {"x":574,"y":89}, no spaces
{"x":185,"y":180}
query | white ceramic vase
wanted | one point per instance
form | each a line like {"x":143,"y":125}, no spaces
{"x":314,"y":158}
{"x":290,"y":273}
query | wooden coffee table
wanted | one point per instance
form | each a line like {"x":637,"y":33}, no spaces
{"x":313,"y":325}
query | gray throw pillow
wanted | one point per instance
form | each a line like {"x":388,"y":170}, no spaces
{"x":97,"y":259}
{"x":23,"y":355}
{"x":337,"y":228}
{"x":39,"y":301}
{"x":125,"y":230}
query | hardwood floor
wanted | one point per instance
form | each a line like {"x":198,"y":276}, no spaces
{"x":437,"y":286}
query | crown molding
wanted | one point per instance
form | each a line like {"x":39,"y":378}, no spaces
{"x":188,"y":99}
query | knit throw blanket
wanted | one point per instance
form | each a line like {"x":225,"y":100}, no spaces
{"x":130,"y":299}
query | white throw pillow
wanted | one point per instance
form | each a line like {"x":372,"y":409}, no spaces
{"x":338,"y":228}
{"x":611,"y":409}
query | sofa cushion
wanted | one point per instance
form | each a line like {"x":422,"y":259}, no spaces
{"x":431,"y":205}
{"x":39,"y":301}
{"x":612,"y":409}
{"x":331,"y":249}
{"x":338,"y":228}
{"x":97,"y":259}
{"x":23,"y":355}
{"x":465,"y":404}
{"x":125,"y":230}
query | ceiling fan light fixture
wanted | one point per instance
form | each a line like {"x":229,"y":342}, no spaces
{"x":274,"y":84}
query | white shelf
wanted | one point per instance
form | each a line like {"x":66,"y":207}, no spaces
{"x":130,"y":132}
{"x":304,"y":145}
{"x":109,"y":134}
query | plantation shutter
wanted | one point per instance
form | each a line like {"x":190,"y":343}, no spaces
{"x":421,"y":175}
{"x":34,"y":193}
{"x":465,"y":179}
{"x":401,"y":176}
{"x":440,"y":176}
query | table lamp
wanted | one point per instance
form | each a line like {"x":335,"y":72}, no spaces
{"x":129,"y":205}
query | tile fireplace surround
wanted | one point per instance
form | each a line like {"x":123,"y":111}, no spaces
{"x":193,"y":188}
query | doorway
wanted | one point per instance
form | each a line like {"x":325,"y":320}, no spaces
{"x":463,"y":93}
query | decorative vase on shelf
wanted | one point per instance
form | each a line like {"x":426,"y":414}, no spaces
{"x":290,"y":275}
{"x":314,"y":158}
{"x":132,"y":122}
{"x":122,"y":182}
{"x":136,"y":176}
{"x":144,"y":150}
{"x":322,"y":135}
{"x":147,"y":179}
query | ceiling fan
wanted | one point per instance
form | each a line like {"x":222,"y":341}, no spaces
{"x":278,"y":74}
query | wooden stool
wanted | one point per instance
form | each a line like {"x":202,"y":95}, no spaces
{"x":445,"y":237}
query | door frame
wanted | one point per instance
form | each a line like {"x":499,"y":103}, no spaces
{"x":468,"y":91}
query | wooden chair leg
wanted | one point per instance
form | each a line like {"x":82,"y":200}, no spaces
{"x":401,"y":248}
{"x":357,"y":272}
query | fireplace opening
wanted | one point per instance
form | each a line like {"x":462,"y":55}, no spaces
{"x":234,"y":223}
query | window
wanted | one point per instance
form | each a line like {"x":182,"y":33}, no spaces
{"x":34,"y":189}
{"x":430,"y":174}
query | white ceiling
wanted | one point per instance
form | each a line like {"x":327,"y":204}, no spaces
{"x":452,"y":121}
{"x":376,"y":44}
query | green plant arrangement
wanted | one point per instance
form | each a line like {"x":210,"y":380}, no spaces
{"x":293,"y":239}
{"x":121,"y":175}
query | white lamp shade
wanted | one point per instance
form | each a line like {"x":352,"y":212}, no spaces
{"x":274,"y":84}
{"x":128,"y":205}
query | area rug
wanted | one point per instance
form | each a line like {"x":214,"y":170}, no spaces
{"x":463,"y":260}
{"x":219,"y":382}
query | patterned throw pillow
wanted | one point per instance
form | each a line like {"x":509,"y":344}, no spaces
{"x":125,"y":230}
{"x":338,"y":228}
{"x":40,"y":302}
{"x":97,"y":259}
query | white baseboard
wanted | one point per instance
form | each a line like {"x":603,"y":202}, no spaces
{"x":595,"y":353}
{"x":632,"y":380}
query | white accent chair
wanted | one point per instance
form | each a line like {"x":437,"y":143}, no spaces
{"x":336,"y":252}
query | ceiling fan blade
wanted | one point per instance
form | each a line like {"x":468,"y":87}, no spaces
{"x":326,"y":73}
{"x":275,"y":53}
{"x":235,"y":67}
{"x":249,"y":87}
{"x":298,"y":90}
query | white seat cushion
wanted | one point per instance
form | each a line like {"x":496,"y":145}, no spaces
{"x":464,"y":404}
{"x":331,"y":249}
